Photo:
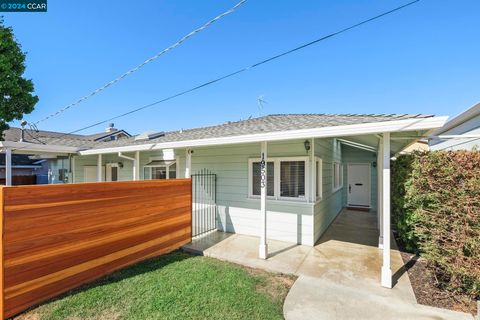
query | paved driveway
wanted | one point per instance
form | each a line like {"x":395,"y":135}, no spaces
{"x":339,"y":278}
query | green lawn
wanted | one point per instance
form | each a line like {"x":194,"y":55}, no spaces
{"x":174,"y":286}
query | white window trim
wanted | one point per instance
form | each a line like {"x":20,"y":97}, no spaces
{"x":319,"y":178}
{"x":340,"y":176}
{"x":161,"y":166}
{"x":276,"y":165}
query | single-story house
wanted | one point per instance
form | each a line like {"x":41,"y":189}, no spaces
{"x":282,"y":177}
{"x":460,"y":133}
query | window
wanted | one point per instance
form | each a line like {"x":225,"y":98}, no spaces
{"x":286,"y":178}
{"x":256,"y":178}
{"x":319,"y":179}
{"x":337,"y":176}
{"x":160,"y":169}
{"x":292,"y":179}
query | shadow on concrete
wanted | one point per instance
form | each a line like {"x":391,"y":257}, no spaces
{"x":407,"y":266}
{"x":353,"y":226}
{"x":206,"y":241}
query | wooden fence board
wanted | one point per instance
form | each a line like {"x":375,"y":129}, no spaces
{"x":57,"y":237}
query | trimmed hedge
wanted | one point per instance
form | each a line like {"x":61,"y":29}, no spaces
{"x":436,"y":209}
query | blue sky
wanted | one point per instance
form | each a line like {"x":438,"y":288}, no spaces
{"x":423,"y":59}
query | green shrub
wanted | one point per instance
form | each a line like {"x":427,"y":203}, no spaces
{"x":402,"y":219}
{"x":439,"y":215}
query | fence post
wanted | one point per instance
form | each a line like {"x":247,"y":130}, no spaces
{"x":2,"y":275}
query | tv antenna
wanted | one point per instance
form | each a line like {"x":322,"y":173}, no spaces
{"x":260,"y":102}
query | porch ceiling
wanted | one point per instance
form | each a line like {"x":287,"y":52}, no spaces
{"x":399,"y":140}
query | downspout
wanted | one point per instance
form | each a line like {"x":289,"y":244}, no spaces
{"x":121,"y":155}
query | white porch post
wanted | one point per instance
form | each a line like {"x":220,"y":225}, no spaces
{"x":136,"y":166}
{"x":313,"y":175}
{"x":263,"y":247}
{"x":386,"y":270}
{"x":72,"y":170}
{"x":188,"y":163}
{"x":380,"y":192}
{"x":8,"y":167}
{"x":99,"y":168}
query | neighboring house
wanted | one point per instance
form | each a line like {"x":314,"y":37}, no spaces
{"x":282,"y":177}
{"x":421,"y":145}
{"x":460,"y":133}
{"x":58,"y":162}
{"x":24,"y":170}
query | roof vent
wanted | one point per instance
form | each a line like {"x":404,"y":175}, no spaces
{"x":149,"y":135}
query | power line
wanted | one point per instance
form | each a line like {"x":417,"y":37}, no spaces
{"x":109,"y":84}
{"x":243,"y":69}
{"x":247,"y":68}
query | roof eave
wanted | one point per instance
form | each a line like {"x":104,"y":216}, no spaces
{"x":34,"y":147}
{"x":463,"y":117}
{"x":325,"y":132}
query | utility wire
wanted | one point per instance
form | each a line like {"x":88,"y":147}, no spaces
{"x":246,"y":68}
{"x":243,"y":69}
{"x":124,"y":75}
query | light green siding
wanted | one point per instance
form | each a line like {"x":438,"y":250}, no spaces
{"x":124,"y":174}
{"x":354,"y":155}
{"x":290,"y":221}
{"x":327,"y":209}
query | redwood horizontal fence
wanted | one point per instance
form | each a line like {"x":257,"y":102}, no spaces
{"x":57,"y":237}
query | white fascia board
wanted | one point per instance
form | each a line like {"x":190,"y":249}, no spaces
{"x":131,"y":148}
{"x":23,"y":167}
{"x":33,"y":147}
{"x":326,"y":132}
{"x":459,"y":119}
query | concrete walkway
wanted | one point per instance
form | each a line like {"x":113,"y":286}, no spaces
{"x":339,"y":278}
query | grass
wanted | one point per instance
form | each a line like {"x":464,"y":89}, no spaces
{"x":174,"y":286}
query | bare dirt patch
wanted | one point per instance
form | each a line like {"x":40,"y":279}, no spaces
{"x":427,"y":291}
{"x":273,"y":285}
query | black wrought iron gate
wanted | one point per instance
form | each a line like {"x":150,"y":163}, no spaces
{"x":204,"y":197}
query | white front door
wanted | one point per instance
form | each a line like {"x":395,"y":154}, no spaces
{"x":358,"y":188}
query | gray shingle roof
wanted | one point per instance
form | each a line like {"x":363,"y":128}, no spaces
{"x":57,"y":138}
{"x":265,"y":124}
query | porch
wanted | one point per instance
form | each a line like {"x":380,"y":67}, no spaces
{"x":348,"y":248}
{"x":338,"y":277}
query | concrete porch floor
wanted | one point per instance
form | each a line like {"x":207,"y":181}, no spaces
{"x":339,"y":278}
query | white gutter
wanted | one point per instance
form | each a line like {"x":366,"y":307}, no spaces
{"x":459,"y":119}
{"x":120,"y":155}
{"x":23,"y":167}
{"x":29,"y":147}
{"x":334,"y":131}
{"x":455,"y":136}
